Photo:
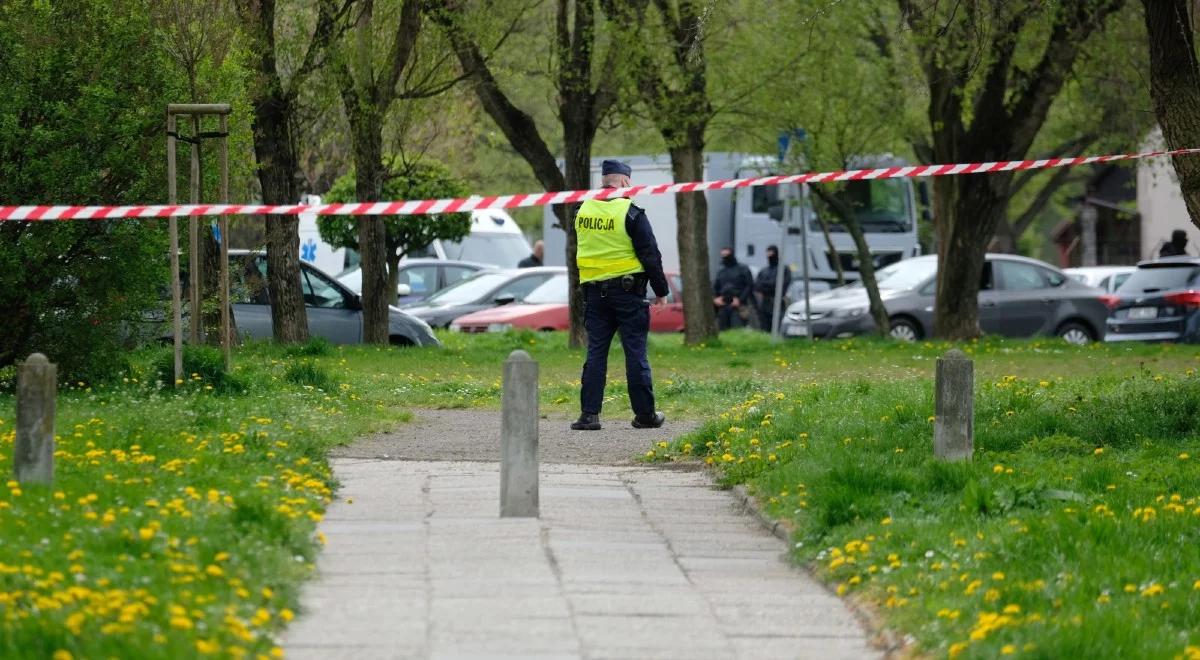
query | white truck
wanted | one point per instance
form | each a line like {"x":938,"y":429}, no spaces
{"x":742,"y":219}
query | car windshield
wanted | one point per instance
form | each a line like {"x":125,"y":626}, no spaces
{"x":502,"y":250}
{"x":470,"y":289}
{"x":1161,"y":278}
{"x":903,"y":275}
{"x":881,"y":205}
{"x":551,"y":292}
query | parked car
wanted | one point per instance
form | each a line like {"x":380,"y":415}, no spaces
{"x":1018,"y":297}
{"x":545,"y":308}
{"x":1107,"y":278}
{"x":1159,"y":302}
{"x":334,"y":311}
{"x":419,"y":278}
{"x":484,"y":289}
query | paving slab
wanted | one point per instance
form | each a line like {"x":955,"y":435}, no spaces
{"x":625,"y":561}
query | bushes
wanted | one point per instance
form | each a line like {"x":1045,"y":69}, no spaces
{"x":308,"y":374}
{"x":81,"y":123}
{"x":203,"y":366}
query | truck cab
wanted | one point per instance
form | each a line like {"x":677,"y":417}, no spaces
{"x":886,"y":209}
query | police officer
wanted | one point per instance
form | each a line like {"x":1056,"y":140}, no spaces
{"x":617,"y":257}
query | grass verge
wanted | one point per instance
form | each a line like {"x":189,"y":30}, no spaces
{"x":180,"y":523}
{"x":1071,"y":534}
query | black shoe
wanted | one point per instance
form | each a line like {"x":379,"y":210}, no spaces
{"x":651,"y":421}
{"x":586,"y":422}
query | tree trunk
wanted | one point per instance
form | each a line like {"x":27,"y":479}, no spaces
{"x":866,"y":261}
{"x":1005,"y":239}
{"x":393,"y":275}
{"x":837,"y":259}
{"x":366,"y":126}
{"x":1175,"y":88}
{"x":578,"y":138}
{"x":691,"y":213}
{"x":277,"y":167}
{"x":969,"y":209}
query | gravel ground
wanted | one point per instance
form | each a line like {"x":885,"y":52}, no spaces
{"x":474,"y":435}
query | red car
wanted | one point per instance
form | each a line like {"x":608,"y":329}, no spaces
{"x":545,"y":308}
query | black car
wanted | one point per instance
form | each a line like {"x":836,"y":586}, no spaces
{"x":1018,"y":297}
{"x":484,"y":289}
{"x":1159,"y":302}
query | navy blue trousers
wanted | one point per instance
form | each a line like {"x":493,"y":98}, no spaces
{"x":606,"y":312}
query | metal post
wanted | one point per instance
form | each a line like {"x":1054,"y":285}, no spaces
{"x":954,"y":407}
{"x":173,"y":230}
{"x":33,"y":447}
{"x":804,"y":248}
{"x":519,"y":437}
{"x":777,"y":303}
{"x":194,"y":272}
{"x":223,"y":223}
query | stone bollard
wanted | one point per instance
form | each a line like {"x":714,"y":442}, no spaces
{"x":954,"y":428}
{"x":519,"y":438}
{"x":33,"y":451}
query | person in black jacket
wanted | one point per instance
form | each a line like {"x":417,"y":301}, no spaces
{"x":764,"y":285}
{"x":732,"y":290}
{"x":1177,"y":246}
{"x":534,"y":260}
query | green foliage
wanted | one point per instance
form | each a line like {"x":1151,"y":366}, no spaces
{"x":308,"y":374}
{"x":203,"y":367}
{"x":81,"y":123}
{"x":405,"y":234}
{"x":314,"y":347}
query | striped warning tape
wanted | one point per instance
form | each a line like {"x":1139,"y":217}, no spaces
{"x":475,"y":202}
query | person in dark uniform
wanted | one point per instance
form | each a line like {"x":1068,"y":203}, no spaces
{"x":732,"y":289}
{"x":764,"y":285}
{"x":617,"y":257}
{"x":534,"y":260}
{"x":1177,"y":246}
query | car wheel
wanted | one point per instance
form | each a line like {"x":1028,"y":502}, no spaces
{"x":904,"y":329}
{"x":1075,"y":333}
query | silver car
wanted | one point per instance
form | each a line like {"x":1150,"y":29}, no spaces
{"x":334,"y":311}
{"x":1018,"y":297}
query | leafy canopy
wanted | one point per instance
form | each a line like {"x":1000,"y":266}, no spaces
{"x":424,"y":179}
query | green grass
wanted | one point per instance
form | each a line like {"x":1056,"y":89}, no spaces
{"x":693,"y":381}
{"x":179,"y":523}
{"x":1071,"y":534}
{"x":184,"y":522}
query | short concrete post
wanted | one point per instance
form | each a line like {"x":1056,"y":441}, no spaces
{"x":954,"y":428}
{"x":33,"y":451}
{"x":519,"y":438}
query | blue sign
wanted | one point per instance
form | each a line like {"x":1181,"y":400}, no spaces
{"x":785,"y":140}
{"x":308,"y":251}
{"x":216,"y":230}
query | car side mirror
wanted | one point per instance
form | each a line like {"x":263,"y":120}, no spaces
{"x":504,"y":299}
{"x":403,"y":290}
{"x":354,"y":303}
{"x":775,"y":211}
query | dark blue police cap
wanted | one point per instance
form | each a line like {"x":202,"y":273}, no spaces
{"x":615,"y":167}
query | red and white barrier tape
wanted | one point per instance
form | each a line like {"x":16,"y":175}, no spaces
{"x":419,"y":207}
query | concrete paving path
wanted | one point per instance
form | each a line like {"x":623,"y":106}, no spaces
{"x":624,"y":562}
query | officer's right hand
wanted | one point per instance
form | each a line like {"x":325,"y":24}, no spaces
{"x":719,"y":301}
{"x":660,"y":301}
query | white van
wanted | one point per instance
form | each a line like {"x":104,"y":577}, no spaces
{"x":313,"y":250}
{"x":495,"y":240}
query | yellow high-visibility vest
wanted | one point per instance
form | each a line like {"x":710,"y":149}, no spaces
{"x":604,"y":249}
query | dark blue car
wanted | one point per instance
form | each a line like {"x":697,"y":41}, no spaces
{"x":1159,"y":302}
